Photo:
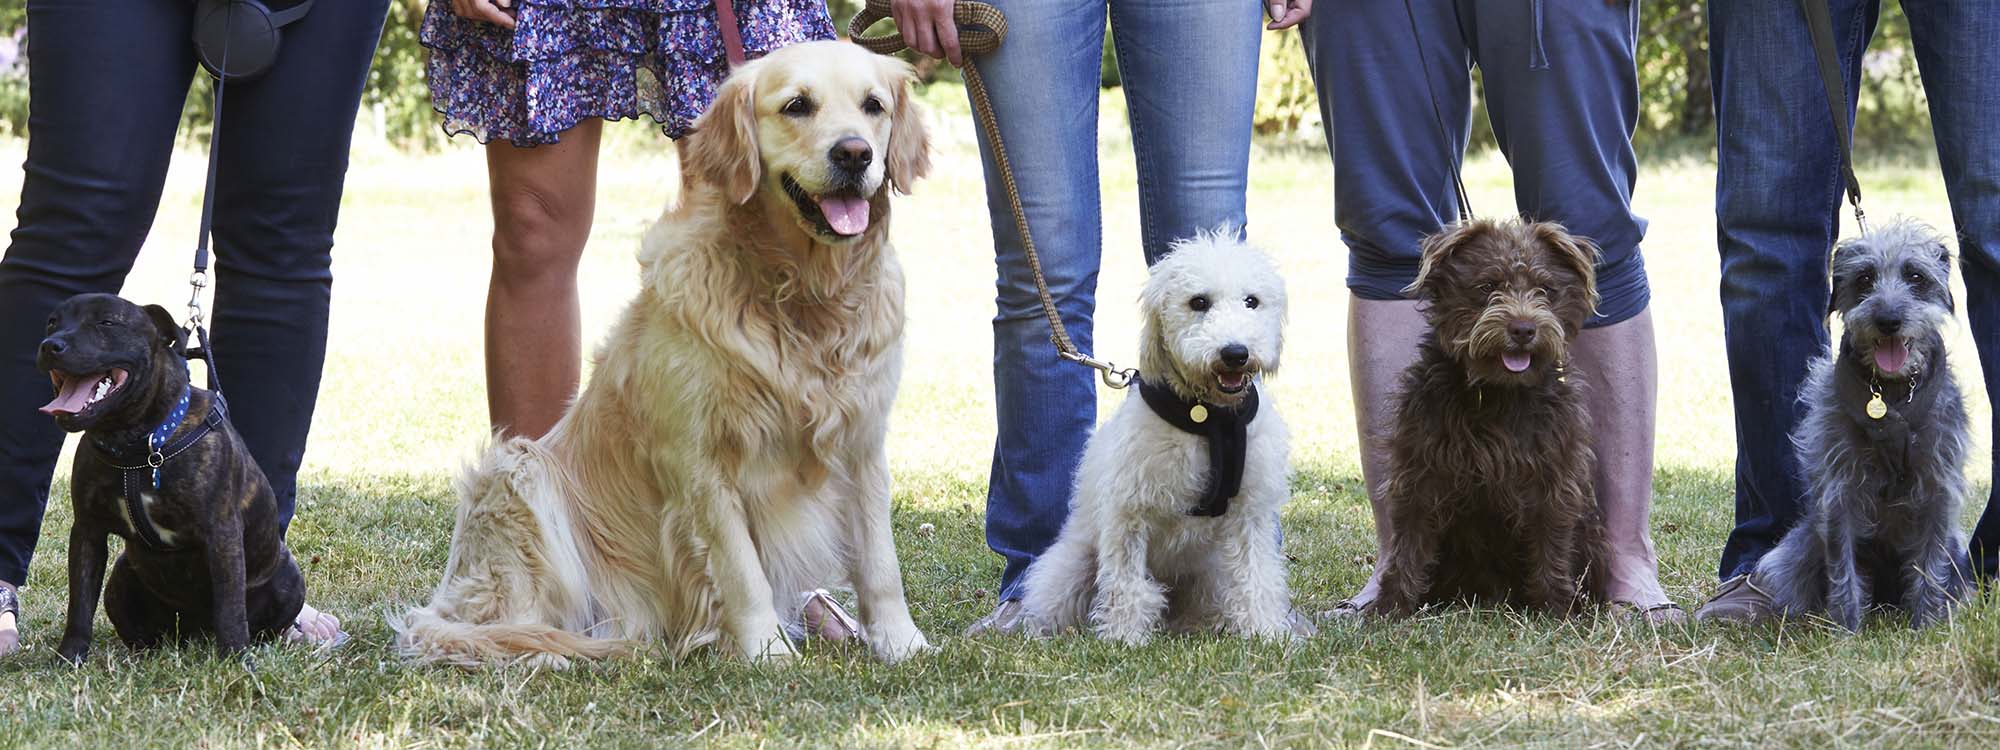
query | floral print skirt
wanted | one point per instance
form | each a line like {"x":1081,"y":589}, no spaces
{"x":569,"y":60}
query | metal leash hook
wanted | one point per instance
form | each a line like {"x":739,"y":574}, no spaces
{"x":981,"y":29}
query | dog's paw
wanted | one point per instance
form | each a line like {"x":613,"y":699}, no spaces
{"x":775,"y":649}
{"x":73,"y":651}
{"x":1126,"y":634}
{"x":895,"y":647}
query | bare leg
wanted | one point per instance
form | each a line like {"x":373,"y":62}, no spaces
{"x":543,"y":199}
{"x":1382,"y":339}
{"x":1619,"y":367}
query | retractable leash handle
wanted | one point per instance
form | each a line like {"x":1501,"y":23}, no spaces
{"x":1819,"y":21}
{"x":981,"y":29}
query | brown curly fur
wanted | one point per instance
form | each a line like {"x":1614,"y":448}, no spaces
{"x":1489,"y":489}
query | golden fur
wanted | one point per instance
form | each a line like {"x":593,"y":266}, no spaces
{"x":728,"y":452}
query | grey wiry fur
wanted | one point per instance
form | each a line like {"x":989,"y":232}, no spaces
{"x":1881,"y":522}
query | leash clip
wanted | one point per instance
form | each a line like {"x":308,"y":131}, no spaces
{"x":156,"y":460}
{"x":198,"y":281}
{"x":1112,"y":375}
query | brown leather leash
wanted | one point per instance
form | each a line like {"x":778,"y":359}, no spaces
{"x":981,"y":28}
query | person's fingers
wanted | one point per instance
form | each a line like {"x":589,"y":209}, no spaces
{"x":921,"y":38}
{"x":1291,"y":18}
{"x":482,"y":10}
{"x":947,"y":32}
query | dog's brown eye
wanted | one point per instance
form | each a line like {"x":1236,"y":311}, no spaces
{"x":1252,"y":302}
{"x":1198,"y":304}
{"x":1915,"y":279}
{"x":1865,"y":280}
{"x":1488,"y":288}
{"x":799,"y":106}
{"x":871,"y":105}
{"x":107,"y":323}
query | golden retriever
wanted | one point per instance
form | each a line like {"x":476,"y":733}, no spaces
{"x":728,"y":452}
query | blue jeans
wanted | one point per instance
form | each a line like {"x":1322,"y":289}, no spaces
{"x":1778,"y":190}
{"x":1563,"y":95}
{"x":1189,"y":70}
{"x":108,"y":80}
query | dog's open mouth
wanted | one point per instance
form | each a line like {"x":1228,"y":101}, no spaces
{"x":1517,"y":361}
{"x":1232,"y":382}
{"x":77,"y":394}
{"x":842,"y":212}
{"x":1891,"y":354}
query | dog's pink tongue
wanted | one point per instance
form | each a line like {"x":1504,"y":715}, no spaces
{"x":74,"y":396}
{"x":1516,"y":361}
{"x":847,"y":215}
{"x":1891,"y":354}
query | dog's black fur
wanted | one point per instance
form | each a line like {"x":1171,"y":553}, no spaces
{"x":226,"y":571}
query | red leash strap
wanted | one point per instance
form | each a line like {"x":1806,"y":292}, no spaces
{"x":732,"y":35}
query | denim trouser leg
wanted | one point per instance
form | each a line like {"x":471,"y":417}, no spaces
{"x":108,"y":83}
{"x":1777,"y":191}
{"x":1563,"y":95}
{"x":1958,"y":50}
{"x":1189,"y":71}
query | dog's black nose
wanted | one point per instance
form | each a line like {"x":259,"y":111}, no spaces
{"x":1889,"y":326}
{"x":1235,"y":355}
{"x":53,"y":346}
{"x":851,"y":154}
{"x":1523,"y":331}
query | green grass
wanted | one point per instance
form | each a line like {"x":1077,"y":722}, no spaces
{"x":402,"y":406}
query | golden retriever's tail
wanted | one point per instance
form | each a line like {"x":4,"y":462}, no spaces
{"x":515,"y":575}
{"x":425,"y":637}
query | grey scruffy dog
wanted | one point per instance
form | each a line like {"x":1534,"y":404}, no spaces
{"x":1882,"y":444}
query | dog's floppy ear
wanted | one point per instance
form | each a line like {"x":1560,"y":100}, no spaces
{"x":909,"y":157}
{"x":1576,"y":252}
{"x":1834,"y":263}
{"x":722,"y":150}
{"x":1437,"y":251}
{"x":171,"y":333}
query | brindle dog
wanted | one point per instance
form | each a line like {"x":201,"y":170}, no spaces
{"x":203,"y":552}
{"x":1489,"y":490}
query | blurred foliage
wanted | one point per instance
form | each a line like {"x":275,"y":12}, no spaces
{"x":1672,"y":66}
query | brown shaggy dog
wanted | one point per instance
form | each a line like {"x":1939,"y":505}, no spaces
{"x":1489,"y":490}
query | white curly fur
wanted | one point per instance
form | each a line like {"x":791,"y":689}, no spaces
{"x":1130,"y":559}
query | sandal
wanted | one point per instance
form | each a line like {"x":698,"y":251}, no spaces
{"x":820,"y":615}
{"x":296,"y":634}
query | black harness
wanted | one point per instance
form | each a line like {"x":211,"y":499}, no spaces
{"x":1226,"y":430}
{"x":139,"y":466}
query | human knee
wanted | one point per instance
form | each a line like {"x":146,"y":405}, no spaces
{"x":537,"y":234}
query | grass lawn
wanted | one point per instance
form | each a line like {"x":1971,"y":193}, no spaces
{"x":402,"y":407}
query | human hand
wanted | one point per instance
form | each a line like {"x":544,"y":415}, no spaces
{"x":927,"y":27}
{"x":1287,"y":13}
{"x":489,"y":11}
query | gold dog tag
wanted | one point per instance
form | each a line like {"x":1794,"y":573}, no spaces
{"x":1199,"y":414}
{"x":1876,"y":408}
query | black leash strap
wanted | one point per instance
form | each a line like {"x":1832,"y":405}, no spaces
{"x":198,"y":281}
{"x":1819,"y":20}
{"x":1455,"y":154}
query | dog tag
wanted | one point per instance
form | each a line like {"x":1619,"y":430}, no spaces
{"x":1876,"y":408}
{"x":1199,"y":414}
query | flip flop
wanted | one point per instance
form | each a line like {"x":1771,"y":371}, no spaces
{"x":821,"y":616}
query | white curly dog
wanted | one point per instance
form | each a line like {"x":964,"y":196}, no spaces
{"x":1174,"y":520}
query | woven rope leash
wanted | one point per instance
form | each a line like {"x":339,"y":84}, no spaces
{"x":981,"y":28}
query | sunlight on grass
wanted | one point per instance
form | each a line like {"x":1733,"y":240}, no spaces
{"x":402,"y":405}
